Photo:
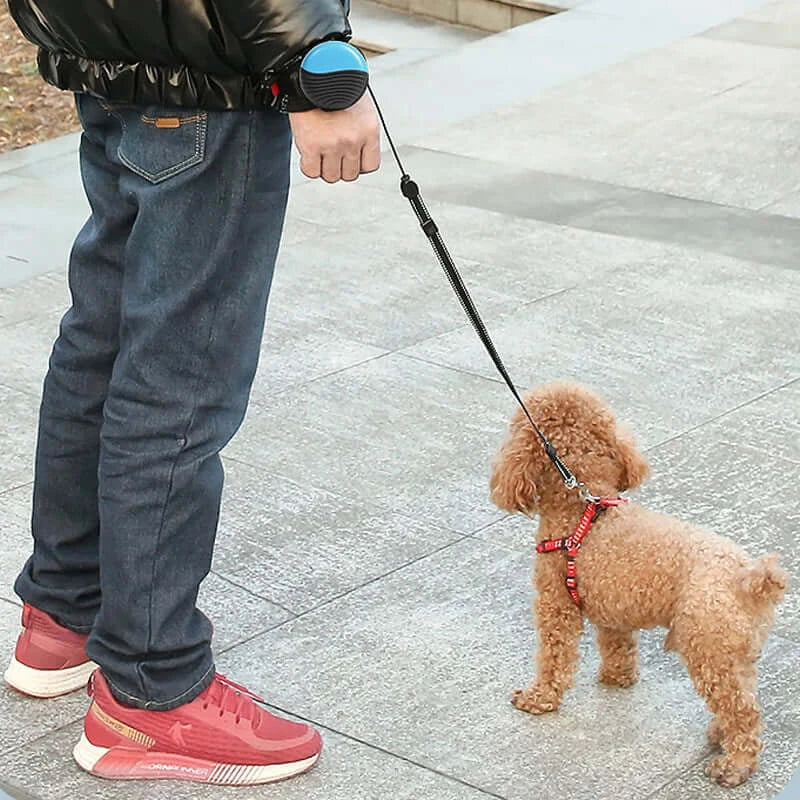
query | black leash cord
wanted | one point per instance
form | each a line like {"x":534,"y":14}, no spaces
{"x":410,"y":191}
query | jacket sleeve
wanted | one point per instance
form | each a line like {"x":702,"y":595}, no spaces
{"x":271,"y":33}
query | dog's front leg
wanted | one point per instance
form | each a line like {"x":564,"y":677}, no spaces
{"x":619,"y":656}
{"x":560,"y":624}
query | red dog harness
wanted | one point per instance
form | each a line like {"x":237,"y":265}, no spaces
{"x":573,"y":543}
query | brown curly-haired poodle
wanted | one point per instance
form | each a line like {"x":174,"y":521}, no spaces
{"x":636,"y":569}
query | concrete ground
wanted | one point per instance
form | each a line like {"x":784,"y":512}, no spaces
{"x":620,"y":185}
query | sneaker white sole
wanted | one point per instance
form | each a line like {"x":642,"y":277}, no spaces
{"x":125,"y":763}
{"x":47,"y":682}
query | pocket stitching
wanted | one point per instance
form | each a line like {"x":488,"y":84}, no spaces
{"x":199,"y":146}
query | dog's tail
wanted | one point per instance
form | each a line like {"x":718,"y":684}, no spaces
{"x":764,"y":581}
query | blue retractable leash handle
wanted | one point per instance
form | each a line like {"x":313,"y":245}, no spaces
{"x":334,"y":75}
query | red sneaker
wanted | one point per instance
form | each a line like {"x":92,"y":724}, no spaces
{"x":220,"y":737}
{"x":49,"y":660}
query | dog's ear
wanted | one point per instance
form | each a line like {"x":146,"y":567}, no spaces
{"x":634,"y":466}
{"x":513,"y":487}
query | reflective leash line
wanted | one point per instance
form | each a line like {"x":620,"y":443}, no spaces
{"x":410,"y":191}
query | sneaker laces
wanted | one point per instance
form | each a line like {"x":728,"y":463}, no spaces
{"x":233,"y":698}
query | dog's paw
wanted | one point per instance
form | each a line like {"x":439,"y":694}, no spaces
{"x":730,"y":771}
{"x":620,"y":678}
{"x":534,"y":701}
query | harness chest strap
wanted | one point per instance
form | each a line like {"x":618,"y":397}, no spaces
{"x":573,"y":543}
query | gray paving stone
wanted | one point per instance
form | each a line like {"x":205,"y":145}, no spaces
{"x":347,"y":770}
{"x":26,"y":351}
{"x":505,"y":189}
{"x":565,"y":126}
{"x":399,"y":58}
{"x":781,"y":12}
{"x":591,"y":205}
{"x":768,"y":426}
{"x":15,"y":271}
{"x":15,"y":793}
{"x":622,"y":126}
{"x":788,"y":205}
{"x":512,"y":532}
{"x":297,"y":230}
{"x":757,"y":32}
{"x":46,"y":294}
{"x":15,"y":514}
{"x":517,"y":65}
{"x":394,"y":434}
{"x":60,"y":174}
{"x":389,"y":286}
{"x":37,"y":227}
{"x":680,"y":13}
{"x":8,"y":182}
{"x":299,"y":546}
{"x":340,"y":205}
{"x":428,"y":656}
{"x":713,"y":153}
{"x":17,"y":438}
{"x":293,"y":354}
{"x":23,"y":719}
{"x":670,"y":349}
{"x":236,"y":613}
{"x":358,"y":287}
{"x":761,"y":238}
{"x":613,"y":99}
{"x":37,"y":153}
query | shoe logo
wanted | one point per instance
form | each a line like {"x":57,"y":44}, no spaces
{"x":177,"y":731}
{"x":120,"y":727}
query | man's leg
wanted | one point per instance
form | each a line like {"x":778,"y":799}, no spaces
{"x":62,"y":576}
{"x":60,"y":583}
{"x":210,"y":194}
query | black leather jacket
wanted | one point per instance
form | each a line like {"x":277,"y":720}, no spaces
{"x":210,"y":54}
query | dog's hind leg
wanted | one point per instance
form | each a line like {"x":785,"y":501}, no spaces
{"x":619,"y":651}
{"x":729,"y":687}
{"x":560,"y":625}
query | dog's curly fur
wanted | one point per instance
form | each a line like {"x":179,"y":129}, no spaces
{"x":637,"y":569}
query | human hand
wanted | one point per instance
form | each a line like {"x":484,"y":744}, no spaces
{"x":338,"y":145}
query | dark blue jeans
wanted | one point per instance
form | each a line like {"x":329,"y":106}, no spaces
{"x":149,"y":379}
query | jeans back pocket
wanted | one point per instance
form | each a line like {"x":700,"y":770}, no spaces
{"x":159,"y":143}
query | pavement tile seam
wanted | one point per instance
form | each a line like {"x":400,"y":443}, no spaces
{"x":587,"y":219}
{"x":782,"y":199}
{"x":300,"y":384}
{"x":679,"y":773}
{"x":334,"y":495}
{"x":223,"y":577}
{"x":11,"y":602}
{"x":385,"y":751}
{"x":26,"y":744}
{"x":724,"y":414}
{"x":296,"y":615}
{"x":411,"y":149}
{"x":321,"y":727}
{"x":10,"y":489}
